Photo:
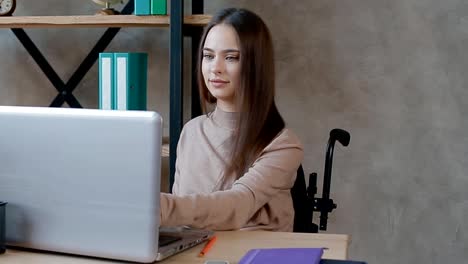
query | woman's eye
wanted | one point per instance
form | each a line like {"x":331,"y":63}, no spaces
{"x":231,"y":58}
{"x":208,"y":56}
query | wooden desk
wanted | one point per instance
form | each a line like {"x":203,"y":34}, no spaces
{"x":229,"y":246}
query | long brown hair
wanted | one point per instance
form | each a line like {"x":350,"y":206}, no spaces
{"x":259,"y":121}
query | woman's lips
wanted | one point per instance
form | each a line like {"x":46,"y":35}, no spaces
{"x":218,"y":83}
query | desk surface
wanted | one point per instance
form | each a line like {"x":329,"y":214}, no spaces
{"x":229,"y":246}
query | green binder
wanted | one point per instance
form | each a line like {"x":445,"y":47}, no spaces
{"x":130,"y":78}
{"x":106,"y":81}
{"x":159,"y":7}
{"x":142,"y":7}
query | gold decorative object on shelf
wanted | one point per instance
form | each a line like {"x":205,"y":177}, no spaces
{"x":107,"y":10}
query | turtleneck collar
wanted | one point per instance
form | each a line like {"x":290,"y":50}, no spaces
{"x":225,"y":119}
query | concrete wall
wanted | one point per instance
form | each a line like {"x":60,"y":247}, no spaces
{"x":390,"y":72}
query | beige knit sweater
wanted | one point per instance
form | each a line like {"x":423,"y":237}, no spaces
{"x":203,"y":198}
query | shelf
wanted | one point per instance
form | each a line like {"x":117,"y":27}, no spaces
{"x":165,"y":147}
{"x":165,"y":150}
{"x":97,"y":21}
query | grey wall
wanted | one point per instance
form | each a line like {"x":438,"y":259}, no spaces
{"x":390,"y":72}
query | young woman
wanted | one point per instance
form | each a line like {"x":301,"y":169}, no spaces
{"x":235,"y":165}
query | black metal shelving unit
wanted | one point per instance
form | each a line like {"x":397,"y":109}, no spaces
{"x":177,"y":33}
{"x":176,"y":79}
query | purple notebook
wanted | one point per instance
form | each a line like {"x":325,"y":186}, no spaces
{"x":283,"y":255}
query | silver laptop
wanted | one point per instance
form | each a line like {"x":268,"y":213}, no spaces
{"x":86,"y":182}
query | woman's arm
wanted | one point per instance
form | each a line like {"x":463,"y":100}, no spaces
{"x":271,"y":173}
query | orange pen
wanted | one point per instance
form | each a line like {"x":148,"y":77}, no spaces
{"x":207,"y":247}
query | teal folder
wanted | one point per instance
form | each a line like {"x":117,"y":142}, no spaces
{"x":106,"y":81}
{"x":142,"y":7}
{"x":158,"y":7}
{"x":130,"y":78}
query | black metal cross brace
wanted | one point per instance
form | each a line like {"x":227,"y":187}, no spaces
{"x":66,"y":89}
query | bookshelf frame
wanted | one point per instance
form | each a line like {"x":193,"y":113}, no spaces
{"x":180,"y":26}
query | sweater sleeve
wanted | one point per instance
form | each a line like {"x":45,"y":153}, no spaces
{"x":272,"y":172}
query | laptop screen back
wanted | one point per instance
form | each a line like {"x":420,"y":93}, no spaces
{"x":81,"y":181}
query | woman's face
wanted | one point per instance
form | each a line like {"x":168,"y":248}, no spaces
{"x":221,"y":65}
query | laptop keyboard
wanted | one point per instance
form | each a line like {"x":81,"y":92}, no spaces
{"x":166,"y":240}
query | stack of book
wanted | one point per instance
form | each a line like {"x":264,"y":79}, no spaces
{"x":290,"y":255}
{"x":123,"y":81}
